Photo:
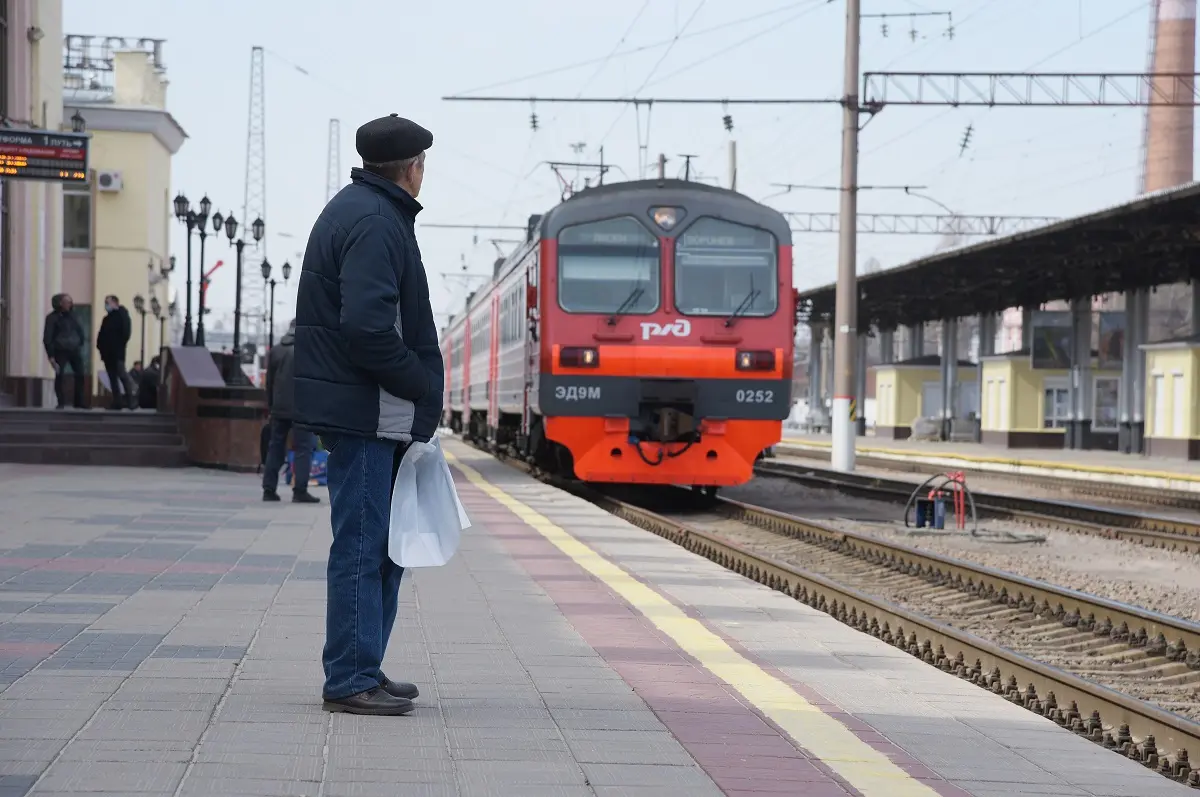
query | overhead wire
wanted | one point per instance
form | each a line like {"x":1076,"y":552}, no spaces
{"x":680,"y":36}
{"x":653,"y":69}
{"x":608,"y":58}
{"x":1138,"y":7}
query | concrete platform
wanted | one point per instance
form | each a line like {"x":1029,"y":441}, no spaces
{"x":160,"y":633}
{"x":1099,"y":466}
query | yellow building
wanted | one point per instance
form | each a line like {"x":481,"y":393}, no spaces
{"x":116,"y":229}
{"x":1172,"y":415}
{"x":912,"y":389}
{"x":31,"y":226}
{"x":1026,"y":407}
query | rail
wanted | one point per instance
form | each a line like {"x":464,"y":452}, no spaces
{"x":1177,"y":534}
{"x":1124,"y":724}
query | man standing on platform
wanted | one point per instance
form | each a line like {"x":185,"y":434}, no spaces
{"x":369,"y":381}
{"x":63,"y":339}
{"x":281,"y":403}
{"x":111,"y":342}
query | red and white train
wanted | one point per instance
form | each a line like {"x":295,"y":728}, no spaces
{"x":642,"y":333}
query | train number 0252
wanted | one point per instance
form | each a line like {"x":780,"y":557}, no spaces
{"x":755,"y":396}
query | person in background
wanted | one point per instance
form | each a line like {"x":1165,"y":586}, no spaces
{"x":136,"y":372}
{"x":63,"y":339}
{"x":281,"y":404}
{"x":369,"y":380}
{"x":111,"y":342}
{"x":147,"y":381}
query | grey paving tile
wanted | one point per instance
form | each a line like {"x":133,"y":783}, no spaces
{"x":82,"y":777}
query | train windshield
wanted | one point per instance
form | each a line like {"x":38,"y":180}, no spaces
{"x":609,"y":266}
{"x":722,"y":268}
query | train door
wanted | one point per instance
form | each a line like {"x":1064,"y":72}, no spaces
{"x":447,"y":378}
{"x":493,"y":392}
{"x":531,"y":345}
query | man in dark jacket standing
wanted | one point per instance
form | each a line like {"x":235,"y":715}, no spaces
{"x":281,"y":393}
{"x":63,"y":339}
{"x":369,"y":380}
{"x":111,"y":341}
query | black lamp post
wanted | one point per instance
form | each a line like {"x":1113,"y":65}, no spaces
{"x":78,"y":123}
{"x":139,"y":304}
{"x":231,"y":231}
{"x":184,"y":213}
{"x":156,"y":308}
{"x":266,"y":272}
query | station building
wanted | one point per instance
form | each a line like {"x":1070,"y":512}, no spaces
{"x":1079,"y":379}
{"x":109,"y":236}
{"x":116,"y":230}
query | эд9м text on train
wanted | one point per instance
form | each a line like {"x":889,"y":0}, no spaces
{"x":642,"y":333}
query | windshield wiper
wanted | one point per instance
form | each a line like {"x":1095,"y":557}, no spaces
{"x":743,"y":307}
{"x":630,"y":300}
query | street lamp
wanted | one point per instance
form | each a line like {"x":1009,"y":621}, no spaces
{"x":184,"y":214}
{"x":231,"y":231}
{"x":156,"y":308}
{"x":78,"y":123}
{"x":266,"y":272}
{"x":139,"y":304}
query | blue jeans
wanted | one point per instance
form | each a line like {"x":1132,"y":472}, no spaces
{"x":363,"y":583}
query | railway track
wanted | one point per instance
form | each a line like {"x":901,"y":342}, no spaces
{"x":1131,"y":493}
{"x":1168,"y":533}
{"x":1128,"y":643}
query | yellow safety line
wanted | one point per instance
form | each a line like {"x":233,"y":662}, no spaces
{"x":859,"y":764}
{"x":1019,"y":463}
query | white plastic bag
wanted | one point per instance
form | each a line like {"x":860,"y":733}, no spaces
{"x":427,"y":517}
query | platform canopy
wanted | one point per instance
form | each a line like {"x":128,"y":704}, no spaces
{"x":1153,"y":240}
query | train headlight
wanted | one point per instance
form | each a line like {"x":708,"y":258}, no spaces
{"x":579,"y":357}
{"x":755,"y":361}
{"x":666,"y":217}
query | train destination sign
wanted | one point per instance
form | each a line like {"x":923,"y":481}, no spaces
{"x":44,"y":155}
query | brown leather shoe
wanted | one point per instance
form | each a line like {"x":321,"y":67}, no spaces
{"x":375,"y":702}
{"x":399,"y":688}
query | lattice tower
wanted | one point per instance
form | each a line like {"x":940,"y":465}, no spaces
{"x":333,"y":163}
{"x":254,"y":204}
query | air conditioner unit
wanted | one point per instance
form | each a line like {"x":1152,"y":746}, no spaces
{"x":108,"y":181}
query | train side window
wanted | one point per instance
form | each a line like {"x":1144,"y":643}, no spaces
{"x":609,"y":265}
{"x":722,"y":268}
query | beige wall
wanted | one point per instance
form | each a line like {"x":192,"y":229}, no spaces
{"x":35,"y":253}
{"x":1171,"y":409}
{"x":130,"y":228}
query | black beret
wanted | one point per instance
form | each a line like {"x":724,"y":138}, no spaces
{"x":391,"y":138}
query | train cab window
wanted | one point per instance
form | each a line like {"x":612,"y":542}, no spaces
{"x":608,"y":266}
{"x":723,"y":268}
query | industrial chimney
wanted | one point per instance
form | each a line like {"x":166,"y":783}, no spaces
{"x":1170,"y":130}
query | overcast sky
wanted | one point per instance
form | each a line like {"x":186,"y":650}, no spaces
{"x":369,"y":58}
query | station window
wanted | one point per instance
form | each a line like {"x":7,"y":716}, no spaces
{"x":77,"y":218}
{"x":1106,"y":404}
{"x":722,"y":268}
{"x":1056,"y":407}
{"x":608,"y":266}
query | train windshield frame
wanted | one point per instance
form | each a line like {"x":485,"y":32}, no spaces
{"x":724,"y":268}
{"x":609,"y":265}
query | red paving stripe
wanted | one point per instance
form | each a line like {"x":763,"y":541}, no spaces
{"x":673,"y":685}
{"x":39,"y":649}
{"x":81,"y":564}
{"x":728,"y":739}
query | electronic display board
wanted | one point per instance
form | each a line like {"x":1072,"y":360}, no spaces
{"x":43,"y":155}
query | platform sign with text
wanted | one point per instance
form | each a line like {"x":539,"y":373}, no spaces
{"x":1050,"y":340}
{"x":44,"y":155}
{"x":1112,"y":340}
